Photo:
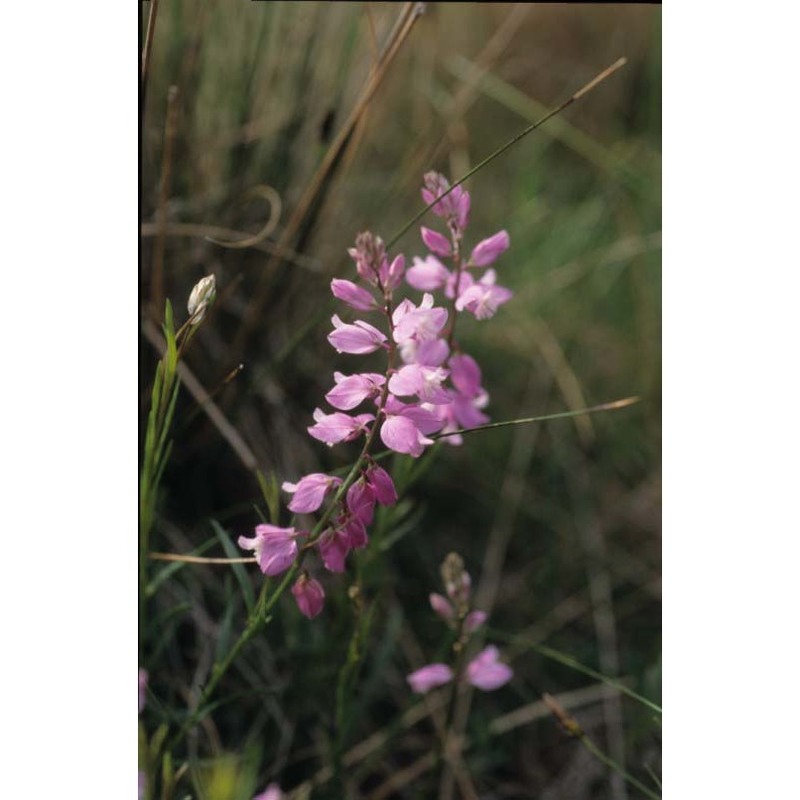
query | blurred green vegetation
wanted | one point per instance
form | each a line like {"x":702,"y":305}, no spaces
{"x":568,"y":511}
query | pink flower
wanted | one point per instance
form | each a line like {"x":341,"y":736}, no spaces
{"x":351,"y":390}
{"x":143,"y":677}
{"x":310,"y":491}
{"x":338,"y":427}
{"x":430,"y":353}
{"x":486,"y":672}
{"x":309,"y":595}
{"x":465,"y":375}
{"x":436,"y":242}
{"x":334,"y":545}
{"x":418,"y":323}
{"x":355,"y":531}
{"x":361,"y":501}
{"x":425,"y":382}
{"x":427,"y":274}
{"x":358,"y":338}
{"x":382,"y":485}
{"x":356,"y":297}
{"x":275,"y":548}
{"x":369,"y":254}
{"x":405,"y":427}
{"x":442,"y":607}
{"x":390,"y":275}
{"x":474,"y":620}
{"x":429,"y":677}
{"x":483,"y":298}
{"x":272,"y":792}
{"x":488,"y":250}
{"x":454,"y":207}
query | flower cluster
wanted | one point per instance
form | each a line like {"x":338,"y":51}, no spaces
{"x":428,"y":385}
{"x":485,"y":671}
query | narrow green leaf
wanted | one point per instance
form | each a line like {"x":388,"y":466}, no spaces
{"x":239,"y":571}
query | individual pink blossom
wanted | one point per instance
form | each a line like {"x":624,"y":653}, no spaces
{"x":424,"y":382}
{"x":272,"y":792}
{"x":487,"y":251}
{"x":430,"y":353}
{"x":275,"y":548}
{"x":454,"y":206}
{"x":429,"y":677}
{"x":351,"y":390}
{"x":358,"y":338}
{"x":334,"y":545}
{"x":486,"y":672}
{"x":436,"y":242}
{"x":309,"y":595}
{"x":474,"y":620}
{"x":310,"y":491}
{"x":419,"y":323}
{"x":391,"y":274}
{"x":355,"y":296}
{"x":427,"y":275}
{"x":338,"y":427}
{"x":442,"y":606}
{"x":382,"y":485}
{"x":361,"y":501}
{"x":406,"y":427}
{"x":355,"y":531}
{"x":143,"y":678}
{"x":465,"y":375}
{"x":483,"y":298}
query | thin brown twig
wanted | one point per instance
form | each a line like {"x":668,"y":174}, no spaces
{"x":148,"y":41}
{"x":406,"y":20}
{"x":275,"y":205}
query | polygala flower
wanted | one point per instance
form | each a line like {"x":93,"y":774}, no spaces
{"x":309,"y":595}
{"x":310,"y":491}
{"x":338,"y":427}
{"x":272,"y":792}
{"x":275,"y":548}
{"x":429,"y":677}
{"x":487,"y":251}
{"x":351,"y":390}
{"x":356,"y":297}
{"x":201,"y":297}
{"x":358,"y":338}
{"x":486,"y":672}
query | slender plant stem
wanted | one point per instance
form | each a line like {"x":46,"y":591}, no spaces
{"x":582,"y":91}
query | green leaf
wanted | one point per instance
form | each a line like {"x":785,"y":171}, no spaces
{"x":239,"y":571}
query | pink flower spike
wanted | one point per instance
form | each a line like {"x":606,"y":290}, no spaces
{"x":275,"y":548}
{"x":429,"y":677}
{"x":427,"y":274}
{"x":310,"y":491}
{"x":309,"y":595}
{"x":436,"y":242}
{"x":272,"y":792}
{"x":338,"y":427}
{"x":487,"y":251}
{"x":355,"y":296}
{"x":442,"y":607}
{"x":382,"y":485}
{"x":486,"y":672}
{"x":333,"y":548}
{"x":359,"y":338}
{"x":351,"y":390}
{"x":474,"y":620}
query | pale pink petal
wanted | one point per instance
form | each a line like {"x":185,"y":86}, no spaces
{"x":488,"y":250}
{"x":382,"y":485}
{"x":486,"y":672}
{"x":355,"y":296}
{"x":309,"y":595}
{"x":352,"y":390}
{"x":429,"y":677}
{"x":441,"y":605}
{"x":392,"y":274}
{"x":310,"y":491}
{"x":427,"y":274}
{"x":474,"y":620}
{"x":359,"y":338}
{"x":272,"y":792}
{"x":436,"y":242}
{"x":402,"y":435}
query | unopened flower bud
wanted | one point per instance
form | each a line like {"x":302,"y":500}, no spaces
{"x":201,"y":298}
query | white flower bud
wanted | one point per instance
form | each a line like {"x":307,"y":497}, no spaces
{"x":201,"y":298}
